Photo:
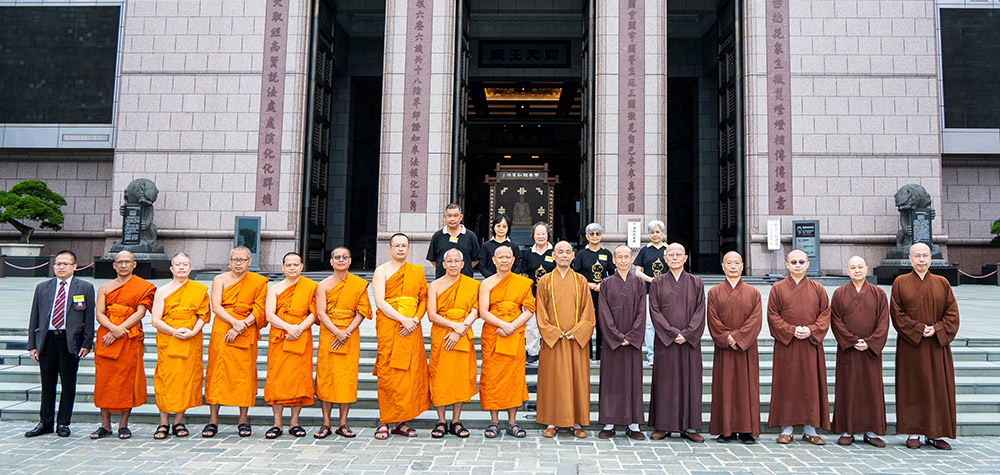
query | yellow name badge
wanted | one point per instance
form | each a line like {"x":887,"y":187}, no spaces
{"x":453,"y":239}
{"x":602,"y":257}
{"x":77,"y":299}
{"x":548,"y":258}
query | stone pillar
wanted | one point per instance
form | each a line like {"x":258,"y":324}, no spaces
{"x":611,"y":118}
{"x":433,"y":127}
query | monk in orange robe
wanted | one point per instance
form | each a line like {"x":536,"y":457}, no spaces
{"x":291,"y":310}
{"x":180,"y":310}
{"x":120,"y":379}
{"x":505,"y":304}
{"x":400,"y":291}
{"x":451,"y":307}
{"x":238,"y":298}
{"x":341,"y":305}
{"x":566,"y":321}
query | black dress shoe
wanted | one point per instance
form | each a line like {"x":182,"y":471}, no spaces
{"x":40,"y":429}
{"x":746,"y":438}
{"x":62,"y":431}
{"x":725,"y":439}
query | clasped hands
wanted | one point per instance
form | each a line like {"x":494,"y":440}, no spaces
{"x":409,"y":324}
{"x":802,"y":332}
{"x":236,"y":330}
{"x":114,"y":332}
{"x":929,"y":331}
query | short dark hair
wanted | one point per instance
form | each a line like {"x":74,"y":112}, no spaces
{"x":499,"y":217}
{"x":452,"y":206}
{"x":66,"y":251}
{"x":293,"y":253}
{"x":339,"y":248}
{"x":394,"y":236}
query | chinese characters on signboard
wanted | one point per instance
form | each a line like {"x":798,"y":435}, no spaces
{"x":272,"y":104}
{"x":413,"y":189}
{"x":779,"y":110}
{"x":631,"y":105}
{"x":533,"y":54}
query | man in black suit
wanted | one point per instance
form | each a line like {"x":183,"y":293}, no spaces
{"x":62,"y":315}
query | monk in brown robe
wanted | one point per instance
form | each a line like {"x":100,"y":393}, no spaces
{"x":734,"y":318}
{"x":622,"y":316}
{"x":677,"y":308}
{"x":341,"y":305}
{"x":119,"y":376}
{"x":452,"y":307}
{"x":400,"y":291}
{"x":180,"y":310}
{"x":798,"y":315}
{"x":925,"y":314}
{"x":566,"y":322}
{"x":238,"y":298}
{"x":291,"y":310}
{"x":505,"y":305}
{"x":859,"y":319}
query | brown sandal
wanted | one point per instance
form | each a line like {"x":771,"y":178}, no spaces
{"x":404,"y":430}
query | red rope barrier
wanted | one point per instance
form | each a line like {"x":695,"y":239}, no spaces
{"x":977,"y":276}
{"x":26,"y":268}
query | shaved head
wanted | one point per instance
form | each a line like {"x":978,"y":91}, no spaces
{"x":676,"y":246}
{"x":126,"y":255}
{"x":730,"y":255}
{"x":500,"y":250}
{"x":456,"y":251}
{"x":919,"y":246}
{"x":856,"y":260}
{"x":623,"y":246}
{"x":796,"y":254}
{"x":563,"y":244}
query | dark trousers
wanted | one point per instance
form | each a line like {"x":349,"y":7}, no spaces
{"x":55,"y":361}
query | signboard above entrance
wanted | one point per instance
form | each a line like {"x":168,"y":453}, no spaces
{"x":524,"y":54}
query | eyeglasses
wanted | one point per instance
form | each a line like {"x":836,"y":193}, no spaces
{"x":799,"y":262}
{"x":240,"y":260}
{"x":62,"y":264}
{"x":594,"y":233}
{"x":340,"y":258}
{"x":123,"y":263}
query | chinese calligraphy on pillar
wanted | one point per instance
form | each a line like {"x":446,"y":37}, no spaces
{"x":779,"y":110}
{"x":631,"y":105}
{"x":413,"y":189}
{"x":272,"y":104}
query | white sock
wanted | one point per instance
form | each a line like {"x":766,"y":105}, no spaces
{"x":846,"y":434}
{"x":576,"y":426}
{"x":609,"y":427}
{"x":689,"y":431}
{"x":551,"y":426}
{"x":787,"y":430}
{"x":871,"y":435}
{"x":633,"y":427}
{"x":914,"y":437}
{"x":809,"y":430}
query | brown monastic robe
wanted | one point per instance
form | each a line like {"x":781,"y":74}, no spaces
{"x":622,"y":317}
{"x":925,"y":371}
{"x":859,"y":401}
{"x":798,"y":381}
{"x":677,"y":307}
{"x":735,"y":311}
{"x":564,"y":306}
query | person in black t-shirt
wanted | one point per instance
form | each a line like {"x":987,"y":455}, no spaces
{"x":453,"y":236}
{"x":500,"y":228}
{"x":595,"y":263}
{"x":649,"y":264}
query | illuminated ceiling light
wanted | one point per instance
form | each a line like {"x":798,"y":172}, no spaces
{"x":522,"y":94}
{"x":506,"y":156}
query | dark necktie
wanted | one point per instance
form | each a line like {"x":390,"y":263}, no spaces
{"x":59,"y":311}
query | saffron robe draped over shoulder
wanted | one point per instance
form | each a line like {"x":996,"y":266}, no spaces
{"x":337,"y":370}
{"x":564,"y":306}
{"x":289,"y":362}
{"x":859,"y":401}
{"x":798,"y":387}
{"x":502,"y":384}
{"x":401,"y":361}
{"x":179,"y":373}
{"x":735,"y":311}
{"x":119,"y":375}
{"x":925,"y":371}
{"x":231,"y":376}
{"x":621,"y":314}
{"x":677,"y":307}
{"x":453,"y":372}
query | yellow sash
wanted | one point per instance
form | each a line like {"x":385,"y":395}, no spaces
{"x":402,"y":347}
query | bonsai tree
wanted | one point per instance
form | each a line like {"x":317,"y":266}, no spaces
{"x":995,"y":230}
{"x":31,"y":199}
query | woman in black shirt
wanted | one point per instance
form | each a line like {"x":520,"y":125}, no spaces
{"x":499,"y":230}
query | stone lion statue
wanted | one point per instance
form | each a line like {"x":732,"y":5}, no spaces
{"x":911,"y":197}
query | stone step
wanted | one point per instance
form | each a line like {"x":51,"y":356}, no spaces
{"x":969,"y":424}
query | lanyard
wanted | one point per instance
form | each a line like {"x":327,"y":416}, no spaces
{"x":576,"y":302}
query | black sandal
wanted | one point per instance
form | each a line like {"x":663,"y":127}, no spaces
{"x":382,"y":432}
{"x":458,"y":430}
{"x":100,"y":433}
{"x":162,"y":431}
{"x":440,"y":429}
{"x":180,"y":430}
{"x":297,"y":431}
{"x":210,"y":430}
{"x":124,"y":433}
{"x":492,"y":431}
{"x":273,"y":433}
{"x":345,"y":431}
{"x":323,"y":432}
{"x":516,"y":431}
{"x":244,"y":429}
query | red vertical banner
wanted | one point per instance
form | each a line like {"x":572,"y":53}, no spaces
{"x":779,"y":109}
{"x":272,"y":105}
{"x":631,"y":105}
{"x":413,"y":186}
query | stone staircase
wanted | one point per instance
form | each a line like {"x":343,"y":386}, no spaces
{"x":977,"y":374}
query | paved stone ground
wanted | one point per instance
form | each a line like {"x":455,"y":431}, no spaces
{"x":563,"y":455}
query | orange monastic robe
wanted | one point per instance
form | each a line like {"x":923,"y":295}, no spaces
{"x":502,"y":384}
{"x":120,"y":379}
{"x":231,"y":377}
{"x":401,"y":362}
{"x":289,"y":362}
{"x":179,"y":371}
{"x":453,"y":372}
{"x":337,"y":370}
